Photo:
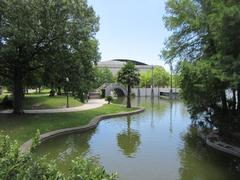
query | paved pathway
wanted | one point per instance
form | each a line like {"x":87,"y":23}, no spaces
{"x":92,"y":104}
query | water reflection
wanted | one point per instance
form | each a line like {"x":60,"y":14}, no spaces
{"x":171,"y":125}
{"x":64,"y":148}
{"x":129,"y":140}
{"x":156,"y":144}
{"x":201,"y":162}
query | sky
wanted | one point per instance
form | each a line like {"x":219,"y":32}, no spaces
{"x":131,"y":29}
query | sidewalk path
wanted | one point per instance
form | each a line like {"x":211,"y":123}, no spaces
{"x":92,"y":104}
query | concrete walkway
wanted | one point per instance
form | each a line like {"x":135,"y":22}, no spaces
{"x":92,"y":104}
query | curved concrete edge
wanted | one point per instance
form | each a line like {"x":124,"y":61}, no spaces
{"x":218,"y":144}
{"x":25,"y":147}
{"x":91,"y":104}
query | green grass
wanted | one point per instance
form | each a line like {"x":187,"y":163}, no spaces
{"x":43,"y":101}
{"x":23,"y":128}
{"x":1,"y":97}
{"x":46,"y":102}
{"x":5,"y":92}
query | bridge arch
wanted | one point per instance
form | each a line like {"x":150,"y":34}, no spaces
{"x":118,"y":88}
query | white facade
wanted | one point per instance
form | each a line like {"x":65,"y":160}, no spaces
{"x":156,"y":91}
{"x":116,"y":64}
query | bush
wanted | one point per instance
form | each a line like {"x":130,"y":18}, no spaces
{"x":6,"y":102}
{"x":133,"y":95}
{"x":52,"y":93}
{"x":14,"y":165}
{"x":109,"y":99}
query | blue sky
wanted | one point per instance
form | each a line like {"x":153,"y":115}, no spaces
{"x":131,"y":29}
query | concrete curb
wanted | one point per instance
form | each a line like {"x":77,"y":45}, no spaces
{"x":92,"y":104}
{"x":218,"y":144}
{"x":25,"y":147}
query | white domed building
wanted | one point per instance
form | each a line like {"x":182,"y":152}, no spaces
{"x":116,"y":64}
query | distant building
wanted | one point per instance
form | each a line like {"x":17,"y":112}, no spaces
{"x":116,"y":64}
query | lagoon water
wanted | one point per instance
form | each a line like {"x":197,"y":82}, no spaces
{"x":158,"y":144}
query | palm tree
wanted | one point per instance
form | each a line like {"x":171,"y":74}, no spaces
{"x":129,"y":76}
{"x":129,"y":140}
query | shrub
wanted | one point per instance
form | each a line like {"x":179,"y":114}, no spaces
{"x":6,"y":102}
{"x":52,"y":93}
{"x":109,"y":99}
{"x":15,"y":165}
{"x":133,"y":95}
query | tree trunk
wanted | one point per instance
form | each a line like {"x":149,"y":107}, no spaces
{"x":158,"y":92}
{"x":234,"y":100}
{"x":145,"y":91}
{"x":238,"y":97}
{"x":59,"y":92}
{"x":224,"y":101}
{"x":129,"y":97}
{"x":18,"y":92}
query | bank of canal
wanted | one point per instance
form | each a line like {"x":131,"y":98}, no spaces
{"x":156,"y":144}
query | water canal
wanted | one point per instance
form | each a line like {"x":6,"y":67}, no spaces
{"x":157,"y":144}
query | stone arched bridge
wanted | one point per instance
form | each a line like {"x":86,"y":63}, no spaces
{"x":107,"y":88}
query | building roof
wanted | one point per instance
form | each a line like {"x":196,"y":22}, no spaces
{"x":121,"y":62}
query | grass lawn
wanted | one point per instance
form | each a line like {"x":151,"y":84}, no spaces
{"x":45,"y":102}
{"x":1,"y":97}
{"x":23,"y":128}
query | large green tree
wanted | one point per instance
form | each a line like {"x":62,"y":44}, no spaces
{"x":129,"y":76}
{"x":103,"y":75}
{"x":205,"y":40}
{"x":160,"y":77}
{"x":33,"y":33}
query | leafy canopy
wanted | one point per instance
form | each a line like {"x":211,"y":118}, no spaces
{"x":129,"y":75}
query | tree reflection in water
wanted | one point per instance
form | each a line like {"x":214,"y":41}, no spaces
{"x":65,"y":148}
{"x":196,"y":159}
{"x":129,"y":140}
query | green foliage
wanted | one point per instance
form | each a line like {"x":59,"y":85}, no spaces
{"x":52,"y":93}
{"x":102,"y":76}
{"x":129,"y":75}
{"x":35,"y":141}
{"x":200,"y":88}
{"x":7,"y":102}
{"x":206,"y":34}
{"x":15,"y":165}
{"x":45,"y":42}
{"x":109,"y":99}
{"x":88,"y":170}
{"x":146,"y":79}
{"x":160,"y":77}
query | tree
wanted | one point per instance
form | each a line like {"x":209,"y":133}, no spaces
{"x":129,"y":140}
{"x":34,"y":32}
{"x":160,"y":77}
{"x":205,"y":42}
{"x":129,"y":76}
{"x":145,"y":80}
{"x":103,"y":75}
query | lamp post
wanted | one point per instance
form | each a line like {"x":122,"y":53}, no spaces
{"x":171,"y":69}
{"x":152,"y":93}
{"x":67,"y":80}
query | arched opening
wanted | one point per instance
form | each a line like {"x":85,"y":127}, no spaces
{"x":115,"y":90}
{"x":119,"y":92}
